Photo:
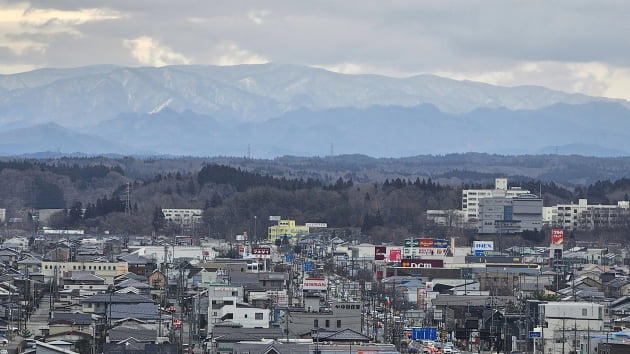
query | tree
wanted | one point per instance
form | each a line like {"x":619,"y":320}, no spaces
{"x":159,"y":220}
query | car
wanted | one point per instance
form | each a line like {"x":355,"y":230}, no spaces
{"x":4,"y":351}
{"x":4,"y":341}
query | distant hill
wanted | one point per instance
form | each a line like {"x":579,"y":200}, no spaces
{"x":592,"y":129}
{"x":53,"y":137}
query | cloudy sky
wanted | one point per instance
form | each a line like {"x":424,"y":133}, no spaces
{"x":572,"y":45}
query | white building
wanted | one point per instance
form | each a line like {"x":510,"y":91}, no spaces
{"x":471,"y":197}
{"x":508,"y":215}
{"x":225,"y":306}
{"x":564,"y":319}
{"x":582,"y":216}
{"x":3,"y":215}
{"x":183,"y":216}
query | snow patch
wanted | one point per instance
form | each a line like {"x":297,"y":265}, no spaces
{"x":160,"y":107}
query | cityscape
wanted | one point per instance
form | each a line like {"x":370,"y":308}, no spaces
{"x":314,"y":177}
{"x":303,"y":288}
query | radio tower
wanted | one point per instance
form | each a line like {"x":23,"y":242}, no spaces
{"x":128,"y":199}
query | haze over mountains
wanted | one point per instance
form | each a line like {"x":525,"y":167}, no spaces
{"x":273,"y":110}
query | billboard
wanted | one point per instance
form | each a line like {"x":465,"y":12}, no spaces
{"x":483,"y":246}
{"x":316,"y":224}
{"x":274,"y":218}
{"x":426,"y":242}
{"x":379,"y":253}
{"x":315,"y":284}
{"x":557,"y":236}
{"x":261,"y":252}
{"x":395,"y":255}
{"x":440,"y":243}
{"x":422,"y":263}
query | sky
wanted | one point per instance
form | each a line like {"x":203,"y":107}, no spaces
{"x":572,"y":45}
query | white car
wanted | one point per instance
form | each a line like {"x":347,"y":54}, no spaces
{"x":3,"y":341}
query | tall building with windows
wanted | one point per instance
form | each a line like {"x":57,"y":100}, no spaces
{"x":471,"y":197}
{"x":584,"y":216}
{"x":505,"y":215}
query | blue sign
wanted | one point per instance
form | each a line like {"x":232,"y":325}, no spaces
{"x":308,"y":266}
{"x":289,"y":257}
{"x":424,"y":333}
{"x":482,"y":253}
{"x":533,"y":334}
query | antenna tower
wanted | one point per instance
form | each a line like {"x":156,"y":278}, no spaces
{"x":128,"y":199}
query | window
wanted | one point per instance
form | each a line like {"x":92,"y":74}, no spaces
{"x":584,"y":312}
{"x":259,"y":315}
{"x":315,"y":323}
{"x":338,"y":323}
{"x":327,"y":323}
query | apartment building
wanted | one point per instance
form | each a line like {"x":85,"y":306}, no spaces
{"x":584,"y":216}
{"x":183,"y":216}
{"x":226,"y":306}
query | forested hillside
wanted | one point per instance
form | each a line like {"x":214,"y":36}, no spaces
{"x":93,"y":193}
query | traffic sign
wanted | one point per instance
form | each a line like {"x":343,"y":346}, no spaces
{"x":533,"y":334}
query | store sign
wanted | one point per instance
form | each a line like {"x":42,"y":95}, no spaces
{"x":422,"y":263}
{"x":315,"y":284}
{"x":483,"y":245}
{"x":557,"y":236}
{"x":261,"y":252}
{"x":395,"y":255}
{"x":379,"y":253}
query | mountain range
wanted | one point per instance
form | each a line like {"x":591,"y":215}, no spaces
{"x":273,"y":110}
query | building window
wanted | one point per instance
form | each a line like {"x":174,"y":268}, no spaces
{"x":259,"y":315}
{"x":584,"y":312}
{"x":327,"y":323}
{"x":315,"y":323}
{"x":338,"y":323}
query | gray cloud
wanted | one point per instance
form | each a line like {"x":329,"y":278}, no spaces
{"x":484,"y":40}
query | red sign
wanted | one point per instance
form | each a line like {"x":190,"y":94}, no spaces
{"x":422,"y":263}
{"x":315,"y":284}
{"x":557,"y":236}
{"x":426,"y":242}
{"x":379,"y":253}
{"x":395,"y":255}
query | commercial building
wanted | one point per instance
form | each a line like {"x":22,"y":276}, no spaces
{"x":566,"y":325}
{"x":471,"y":197}
{"x":286,"y":229}
{"x":508,"y":215}
{"x":106,"y":270}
